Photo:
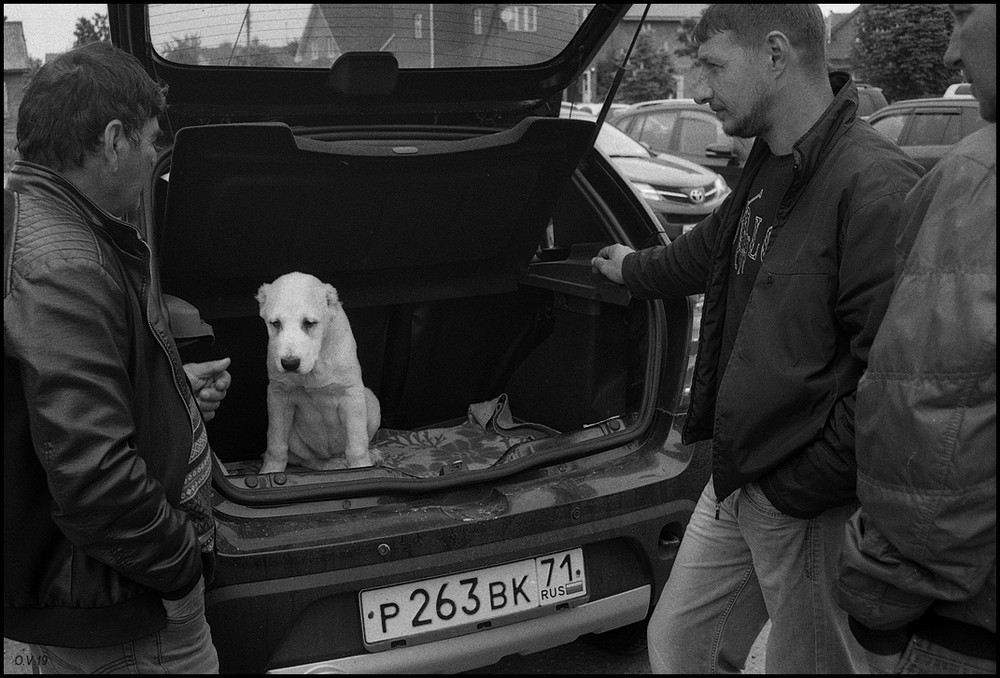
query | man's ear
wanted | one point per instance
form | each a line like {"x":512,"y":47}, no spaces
{"x":779,"y":50}
{"x":113,"y":139}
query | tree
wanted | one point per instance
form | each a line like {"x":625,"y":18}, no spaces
{"x":33,"y":66}
{"x":92,"y":30}
{"x":685,"y":38}
{"x":186,"y":50}
{"x":649,"y":73}
{"x":900,"y":49}
{"x":604,"y":75}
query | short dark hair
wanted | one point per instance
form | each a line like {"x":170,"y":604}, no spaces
{"x":70,"y":101}
{"x":802,"y":24}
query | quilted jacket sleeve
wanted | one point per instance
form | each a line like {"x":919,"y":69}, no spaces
{"x":926,"y":422}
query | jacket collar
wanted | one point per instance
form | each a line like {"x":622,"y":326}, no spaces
{"x":811,"y":147}
{"x":839,"y":116}
{"x":40,"y":181}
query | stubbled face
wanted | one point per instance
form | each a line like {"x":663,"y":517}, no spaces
{"x":734,"y":83}
{"x":136,"y":159}
{"x":298,"y":310}
{"x":973,"y":48}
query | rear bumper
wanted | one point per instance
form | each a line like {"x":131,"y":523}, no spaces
{"x":292,"y":623}
{"x":463,"y":653}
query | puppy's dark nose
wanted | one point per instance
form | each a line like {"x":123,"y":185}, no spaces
{"x":290,"y":364}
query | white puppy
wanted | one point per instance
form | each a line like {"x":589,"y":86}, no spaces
{"x":318,"y":409}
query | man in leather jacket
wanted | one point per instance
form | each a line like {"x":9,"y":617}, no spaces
{"x":796,"y":268}
{"x":108,"y":529}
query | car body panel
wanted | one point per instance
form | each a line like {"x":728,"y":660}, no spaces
{"x":457,"y":216}
{"x":407,"y":546}
{"x":684,"y":128}
{"x":679,"y":192}
{"x":927,"y":128}
{"x":453,"y":655}
{"x":958,"y":90}
{"x":870,"y":99}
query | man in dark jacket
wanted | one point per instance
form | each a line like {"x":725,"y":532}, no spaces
{"x":918,"y":574}
{"x":796,"y":268}
{"x":108,"y":530}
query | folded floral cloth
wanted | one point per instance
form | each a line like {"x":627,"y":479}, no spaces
{"x":488,"y":431}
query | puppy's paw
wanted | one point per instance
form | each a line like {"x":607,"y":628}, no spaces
{"x":272,"y":466}
{"x":370,"y":457}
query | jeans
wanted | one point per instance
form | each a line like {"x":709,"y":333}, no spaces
{"x":183,"y":646}
{"x":924,"y":656}
{"x":735,"y":571}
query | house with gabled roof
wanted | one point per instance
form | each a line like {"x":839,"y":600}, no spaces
{"x":484,"y":33}
{"x":662,"y":23}
{"x":843,"y":33}
{"x":15,"y":67}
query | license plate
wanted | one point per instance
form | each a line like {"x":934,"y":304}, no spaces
{"x":472,"y":600}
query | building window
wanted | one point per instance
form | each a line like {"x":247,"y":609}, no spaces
{"x":523,"y":19}
{"x":418,"y":26}
{"x":331,"y":47}
{"x":477,"y":22}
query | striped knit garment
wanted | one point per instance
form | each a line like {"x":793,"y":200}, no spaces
{"x":196,"y":497}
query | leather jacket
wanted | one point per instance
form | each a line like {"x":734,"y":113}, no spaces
{"x":97,"y":426}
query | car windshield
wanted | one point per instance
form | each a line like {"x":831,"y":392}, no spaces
{"x":617,"y":144}
{"x":314,"y":35}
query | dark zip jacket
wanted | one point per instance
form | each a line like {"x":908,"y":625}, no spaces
{"x":97,"y":426}
{"x":783,"y":414}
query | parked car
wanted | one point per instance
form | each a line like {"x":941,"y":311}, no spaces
{"x":690,"y":130}
{"x":958,"y":90}
{"x":870,"y":99}
{"x":927,"y":128}
{"x":535,"y":489}
{"x":680,"y":193}
{"x":570,"y":109}
{"x":683,"y":128}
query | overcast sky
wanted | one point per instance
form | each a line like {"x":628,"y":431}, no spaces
{"x":49,"y":28}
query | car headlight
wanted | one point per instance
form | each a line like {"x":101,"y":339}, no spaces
{"x":721,"y":187}
{"x":648,"y":192}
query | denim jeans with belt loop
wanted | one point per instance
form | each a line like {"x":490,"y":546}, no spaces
{"x":740,"y":563}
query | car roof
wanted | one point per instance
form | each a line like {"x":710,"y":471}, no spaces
{"x":663,"y":103}
{"x":959,"y":90}
{"x":930,"y":102}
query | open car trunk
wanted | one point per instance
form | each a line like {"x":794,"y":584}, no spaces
{"x":463,"y":264}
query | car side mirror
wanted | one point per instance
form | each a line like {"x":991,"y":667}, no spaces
{"x":721,"y":149}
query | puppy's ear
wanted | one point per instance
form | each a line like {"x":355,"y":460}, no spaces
{"x":262,"y":294}
{"x":332,"y":300}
